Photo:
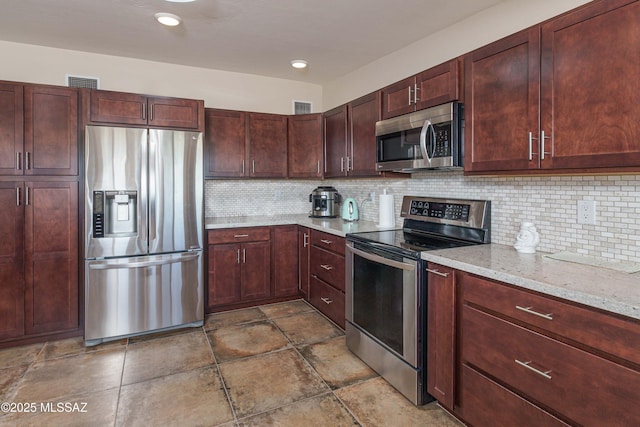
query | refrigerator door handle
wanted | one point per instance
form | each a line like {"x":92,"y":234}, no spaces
{"x":152,"y":185}
{"x":143,"y":264}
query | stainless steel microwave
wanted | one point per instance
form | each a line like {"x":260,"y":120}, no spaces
{"x":426,"y":139}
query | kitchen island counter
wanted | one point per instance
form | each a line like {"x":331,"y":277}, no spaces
{"x":335,"y":226}
{"x":597,"y":287}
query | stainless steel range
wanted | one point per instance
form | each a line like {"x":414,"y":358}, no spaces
{"x":386,"y":286}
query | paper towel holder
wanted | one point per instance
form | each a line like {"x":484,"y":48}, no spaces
{"x":386,"y":214}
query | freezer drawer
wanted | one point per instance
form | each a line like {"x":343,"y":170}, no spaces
{"x":129,"y":296}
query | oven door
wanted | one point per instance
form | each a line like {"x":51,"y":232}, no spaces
{"x":383,"y":300}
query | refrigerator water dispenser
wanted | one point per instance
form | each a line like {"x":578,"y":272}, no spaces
{"x":114,"y":213}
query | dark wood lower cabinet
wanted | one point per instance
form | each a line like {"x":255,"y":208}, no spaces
{"x":304,"y":246}
{"x":284,"y":240}
{"x":39,"y":259}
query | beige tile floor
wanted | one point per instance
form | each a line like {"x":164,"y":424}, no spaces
{"x":274,"y":365}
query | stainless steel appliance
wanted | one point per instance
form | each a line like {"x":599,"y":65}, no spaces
{"x":426,"y":139}
{"x":143,"y":231}
{"x":324,"y":202}
{"x":386,"y":286}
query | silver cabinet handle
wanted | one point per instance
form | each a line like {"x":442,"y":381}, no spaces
{"x":542,"y":138}
{"x":242,"y":166}
{"x":349,"y":163}
{"x":327,"y":242}
{"x":151,"y":113}
{"x":18,"y":161}
{"x":238,"y":258}
{"x":26,"y":196}
{"x":305,"y":238}
{"x":239,"y":236}
{"x":409,"y":96}
{"x":439,"y":273}
{"x":318,"y":167}
{"x":27,"y":160}
{"x":244,"y":256}
{"x":326,"y":300}
{"x":535,"y":313}
{"x":17,"y":196}
{"x":253,"y":166}
{"x":326,"y":267}
{"x":144,"y":111}
{"x":341,"y":164}
{"x":531,"y":368}
{"x":531,"y":153}
{"x":415,"y":93}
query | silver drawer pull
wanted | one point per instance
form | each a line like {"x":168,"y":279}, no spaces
{"x":531,"y":368}
{"x":439,"y":273}
{"x":326,"y":300}
{"x":535,"y":313}
{"x":326,"y":267}
{"x":239,"y":236}
{"x":327,"y":242}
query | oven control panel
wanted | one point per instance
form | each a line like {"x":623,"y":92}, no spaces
{"x":451,"y":211}
{"x":459,"y":212}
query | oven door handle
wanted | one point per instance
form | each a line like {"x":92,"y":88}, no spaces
{"x":382,"y":260}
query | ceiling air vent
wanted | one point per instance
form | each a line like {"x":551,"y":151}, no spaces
{"x":83,"y":82}
{"x":301,"y":107}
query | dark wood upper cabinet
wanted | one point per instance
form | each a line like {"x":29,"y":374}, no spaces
{"x":559,"y":96}
{"x":304,"y":149}
{"x":501,"y":103}
{"x":51,"y":130}
{"x":267,"y":147}
{"x":121,"y":108}
{"x":363,"y":113}
{"x":11,"y":119}
{"x":434,"y":86}
{"x":335,"y":142}
{"x":225,"y":139}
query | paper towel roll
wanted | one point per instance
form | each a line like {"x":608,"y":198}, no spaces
{"x":387,"y":217}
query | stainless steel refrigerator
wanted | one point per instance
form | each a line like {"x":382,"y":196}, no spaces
{"x":143,"y":231}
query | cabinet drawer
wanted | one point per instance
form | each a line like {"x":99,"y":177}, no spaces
{"x":238,"y":235}
{"x":598,"y":330}
{"x":328,"y":300}
{"x":327,"y":241}
{"x":328,"y":266}
{"x":582,"y":386}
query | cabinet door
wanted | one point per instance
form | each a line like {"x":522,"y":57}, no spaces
{"x":305,"y":146}
{"x":285,"y":260}
{"x":256,"y":271}
{"x":438,"y":85}
{"x":441,"y":334}
{"x":224,"y":274}
{"x":225,"y":139}
{"x":590,"y":105}
{"x":363,"y":115}
{"x":50,"y":130}
{"x":11,"y":259}
{"x":267,"y":145}
{"x":118,"y":108}
{"x":51,"y":257}
{"x":174,"y":112}
{"x":398,"y":98}
{"x":501,"y":104}
{"x":335,"y":142}
{"x":304,"y":246}
{"x":11,"y":151}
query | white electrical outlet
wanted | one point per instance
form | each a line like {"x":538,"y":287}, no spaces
{"x":586,"y":212}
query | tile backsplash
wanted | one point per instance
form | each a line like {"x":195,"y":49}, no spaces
{"x":550,"y":202}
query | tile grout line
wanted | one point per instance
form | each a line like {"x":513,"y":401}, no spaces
{"x":219,"y":374}
{"x":124,"y":361}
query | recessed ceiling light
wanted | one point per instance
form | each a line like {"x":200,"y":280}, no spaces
{"x":299,"y":63}
{"x":168,"y":19}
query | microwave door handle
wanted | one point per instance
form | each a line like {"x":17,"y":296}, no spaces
{"x":423,"y":139}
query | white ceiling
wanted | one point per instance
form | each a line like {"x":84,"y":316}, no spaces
{"x":249,"y":36}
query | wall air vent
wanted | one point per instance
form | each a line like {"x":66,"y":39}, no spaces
{"x":83,"y":82}
{"x":301,"y":107}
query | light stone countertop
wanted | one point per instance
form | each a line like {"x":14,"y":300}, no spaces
{"x":335,"y":226}
{"x":598,"y":287}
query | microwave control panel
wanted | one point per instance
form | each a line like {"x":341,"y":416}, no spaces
{"x":442,"y":146}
